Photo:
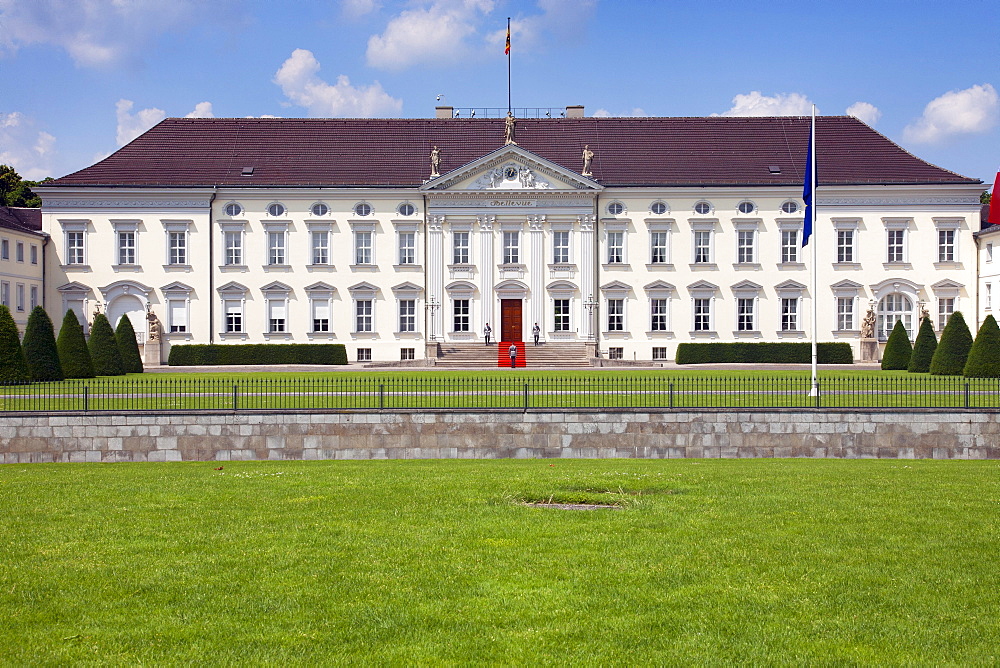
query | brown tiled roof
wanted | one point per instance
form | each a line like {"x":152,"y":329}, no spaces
{"x":394,"y":152}
{"x":21,"y":219}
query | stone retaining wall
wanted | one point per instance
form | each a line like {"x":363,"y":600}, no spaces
{"x":223,"y":436}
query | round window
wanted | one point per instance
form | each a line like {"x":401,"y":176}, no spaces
{"x":659,"y":208}
{"x":745,"y":207}
{"x":233,"y":209}
{"x":703,"y":208}
{"x":363,"y":209}
{"x":320,"y":209}
{"x":276,"y":209}
{"x":790,"y":207}
{"x":407,"y":209}
{"x":616,"y":208}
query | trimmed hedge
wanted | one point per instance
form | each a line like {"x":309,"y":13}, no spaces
{"x":104,"y":348}
{"x":923,"y":348}
{"x":128,"y":347}
{"x":897,"y":349}
{"x":74,"y":356}
{"x":763,"y":353}
{"x":257,"y":353}
{"x":13,"y":366}
{"x":953,"y":348}
{"x":40,"y":347}
{"x":984,"y":358}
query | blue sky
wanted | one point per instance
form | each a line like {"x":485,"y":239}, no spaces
{"x":83,"y":77}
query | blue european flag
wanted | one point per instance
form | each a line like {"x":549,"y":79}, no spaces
{"x":807,"y":189}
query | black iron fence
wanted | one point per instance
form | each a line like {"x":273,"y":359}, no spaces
{"x":376,"y":393}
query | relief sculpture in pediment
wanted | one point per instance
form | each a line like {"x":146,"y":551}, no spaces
{"x":510,"y":177}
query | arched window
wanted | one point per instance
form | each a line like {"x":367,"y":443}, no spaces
{"x":894,"y":306}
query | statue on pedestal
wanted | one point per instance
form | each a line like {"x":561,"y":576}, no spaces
{"x":868,"y":325}
{"x":508,"y":130}
{"x":588,"y":157}
{"x":435,"y":162}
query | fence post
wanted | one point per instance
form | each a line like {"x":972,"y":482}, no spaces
{"x":525,"y":397}
{"x":381,"y":396}
{"x":966,"y":394}
{"x":671,"y":394}
{"x":235,"y":396}
{"x":818,"y":393}
{"x":86,"y":398}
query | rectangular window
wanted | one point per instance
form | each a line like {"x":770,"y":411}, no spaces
{"x":511,"y":248}
{"x":5,"y":293}
{"x":363,"y":315}
{"x":702,"y":315}
{"x":616,"y":353}
{"x":20,"y":296}
{"x":658,"y":315}
{"x":560,"y":315}
{"x":560,"y":247}
{"x":894,"y":245}
{"x":321,"y":315}
{"x":362,"y":248}
{"x":789,"y":314}
{"x":789,"y":246}
{"x":275,"y":248}
{"x":34,"y":254}
{"x":321,"y":247}
{"x":177,"y":312}
{"x":989,"y":296}
{"x":4,"y":249}
{"x":74,"y":248}
{"x":126,"y":248}
{"x":659,"y":354}
{"x":19,"y":252}
{"x":460,"y":311}
{"x":845,"y":314}
{"x":702,"y":246}
{"x":460,"y":248}
{"x":234,"y":315}
{"x":276,"y":315}
{"x":745,"y":321}
{"x":946,"y":306}
{"x":616,"y":315}
{"x":407,"y":248}
{"x":745,"y":246}
{"x":407,"y":354}
{"x":407,"y":315}
{"x":989,"y":252}
{"x":616,"y":247}
{"x":845,"y":245}
{"x":364,"y":354}
{"x":34,"y":296}
{"x":946,"y":245}
{"x":177,"y":247}
{"x":658,"y":245}
{"x":234,"y":248}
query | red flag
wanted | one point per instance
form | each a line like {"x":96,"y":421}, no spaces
{"x":506,"y":50}
{"x":994,"y":218}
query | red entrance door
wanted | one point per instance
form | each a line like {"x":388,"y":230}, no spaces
{"x":510,"y":320}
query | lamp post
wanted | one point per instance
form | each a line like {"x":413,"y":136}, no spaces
{"x":432,"y":307}
{"x":591,"y":305}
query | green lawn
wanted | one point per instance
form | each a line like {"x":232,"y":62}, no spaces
{"x":430,"y":562}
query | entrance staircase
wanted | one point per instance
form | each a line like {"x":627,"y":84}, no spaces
{"x":562,"y":355}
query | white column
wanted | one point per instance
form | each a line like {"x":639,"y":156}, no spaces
{"x":435,"y":275}
{"x":536,"y":271}
{"x":486,"y":268}
{"x":588,"y":276}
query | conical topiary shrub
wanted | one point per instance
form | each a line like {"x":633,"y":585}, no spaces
{"x":984,"y":358}
{"x":13,"y":367}
{"x":128,"y":348}
{"x":897,"y":349}
{"x":40,"y":347}
{"x":104,"y":348}
{"x":953,"y":348}
{"x":923,"y":348}
{"x":72,"y":346}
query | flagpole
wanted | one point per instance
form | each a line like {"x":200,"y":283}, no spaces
{"x":812,"y":227}
{"x":507,"y":49}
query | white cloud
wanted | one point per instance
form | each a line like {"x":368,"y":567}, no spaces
{"x":357,"y":8}
{"x":438,"y":34}
{"x":299,"y":82}
{"x":201,"y":110}
{"x":132,"y":125}
{"x":24,"y":147}
{"x":971,"y":111}
{"x":865,"y":112}
{"x":100,"y":32}
{"x":604,"y":113}
{"x":781,"y":104}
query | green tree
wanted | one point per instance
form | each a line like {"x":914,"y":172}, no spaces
{"x":72,"y":346}
{"x":13,"y":367}
{"x":923,"y":348}
{"x":104,"y":348}
{"x":128,"y":348}
{"x":40,"y":347}
{"x":985,"y":197}
{"x":897,"y":349}
{"x":984,"y":358}
{"x":14,"y":191}
{"x":953,"y":348}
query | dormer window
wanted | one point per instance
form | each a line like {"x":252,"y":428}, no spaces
{"x":233,"y":209}
{"x":276,"y":209}
{"x":362,"y":209}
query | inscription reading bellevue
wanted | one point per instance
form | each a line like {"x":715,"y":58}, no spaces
{"x":513,"y":202}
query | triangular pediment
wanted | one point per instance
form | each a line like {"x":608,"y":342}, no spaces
{"x":657,"y":285}
{"x":846,"y":285}
{"x":320,"y":287}
{"x":363,"y":286}
{"x":407,"y":287}
{"x":789,"y":285}
{"x":512,"y":169}
{"x":745,"y":286}
{"x":946,"y":284}
{"x":276,"y":286}
{"x":702,"y":285}
{"x":232,"y":287}
{"x":73,"y":286}
{"x":616,"y":286}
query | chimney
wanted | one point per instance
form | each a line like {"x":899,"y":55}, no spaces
{"x":574,"y":111}
{"x":443,"y":112}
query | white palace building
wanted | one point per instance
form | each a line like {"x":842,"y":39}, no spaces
{"x":401,"y":237}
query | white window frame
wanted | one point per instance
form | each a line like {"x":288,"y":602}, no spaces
{"x":19,"y":296}
{"x":662,"y":293}
{"x":4,"y":249}
{"x":946,"y":307}
{"x":364,"y":315}
{"x":703,"y":229}
{"x":461,"y":253}
{"x":320,"y":294}
{"x":988,"y":304}
{"x":5,"y":293}
{"x":407,"y":256}
{"x":406,"y":314}
{"x":562,"y":244}
{"x":511,"y":240}
{"x":897,"y":228}
{"x":989,"y":252}
{"x":790,"y":254}
{"x":238,"y":229}
{"x":615,"y":242}
{"x":33,"y":297}
{"x":562,"y":321}
{"x":276,"y":255}
{"x":948,"y":226}
{"x":461,"y":301}
{"x":33,"y":253}
{"x":72,"y":228}
{"x":746,"y":246}
{"x":615,"y":307}
{"x":183,"y":229}
{"x":846,"y":228}
{"x":790,"y":293}
{"x":703,"y":308}
{"x":363,"y":247}
{"x":315,"y":229}
{"x":846,"y":317}
{"x":126,"y":227}
{"x":19,"y":252}
{"x":746,"y":301}
{"x":183,"y":306}
{"x":271,"y":302}
{"x":233,"y":327}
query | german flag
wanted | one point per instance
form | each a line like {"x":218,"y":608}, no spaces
{"x":506,"y":50}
